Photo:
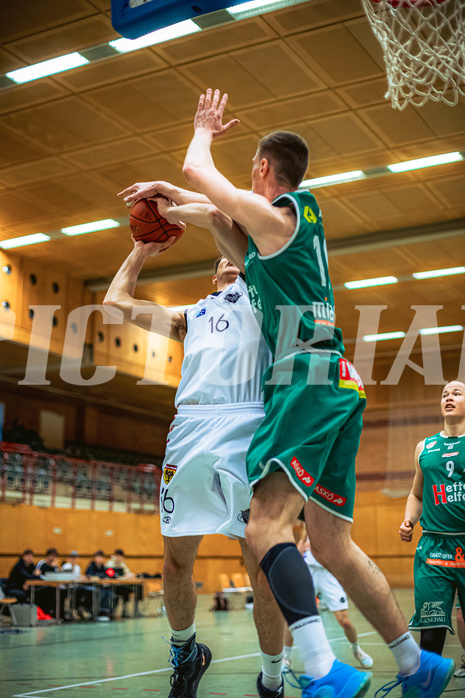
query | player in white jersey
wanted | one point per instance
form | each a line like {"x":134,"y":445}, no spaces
{"x":204,"y":488}
{"x":332,"y":595}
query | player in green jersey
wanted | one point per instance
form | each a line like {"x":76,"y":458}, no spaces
{"x":437,"y":500}
{"x":305,"y":449}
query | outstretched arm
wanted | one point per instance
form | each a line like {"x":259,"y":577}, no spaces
{"x":150,"y":316}
{"x":414,"y":506}
{"x":146,"y":190}
{"x":230,"y":240}
{"x":269,"y":226}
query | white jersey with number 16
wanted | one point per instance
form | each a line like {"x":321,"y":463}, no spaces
{"x":225,"y":354}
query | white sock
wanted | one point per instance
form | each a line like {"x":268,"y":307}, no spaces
{"x":406,"y":653}
{"x":355,"y":646}
{"x":287,"y":651}
{"x":313,"y":646}
{"x":180,"y":637}
{"x":271,"y":670}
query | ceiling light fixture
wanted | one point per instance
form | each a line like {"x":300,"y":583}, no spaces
{"x":255,"y":7}
{"x":383,"y":336}
{"x":332,"y":179}
{"x":41,"y":70}
{"x":425,"y":162}
{"x":365,"y":283}
{"x":441,"y":330}
{"x":438,"y":272}
{"x":23,"y":241}
{"x":174,"y":31}
{"x":105,"y":224}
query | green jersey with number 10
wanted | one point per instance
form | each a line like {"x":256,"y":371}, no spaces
{"x":290,"y":291}
{"x":442,"y":462}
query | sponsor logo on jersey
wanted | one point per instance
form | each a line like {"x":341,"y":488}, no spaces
{"x":243,"y":517}
{"x":309,"y":215}
{"x":449,"y":493}
{"x":343,"y":599}
{"x":330,"y":496}
{"x":323,"y":313}
{"x":232,"y":297}
{"x":446,"y":559}
{"x":249,"y":257}
{"x":449,"y":455}
{"x":168,"y":473}
{"x":432,"y":610}
{"x":302,"y":474}
{"x":201,"y":312}
{"x":167,"y":519}
{"x":431,"y":444}
{"x":451,"y":445}
{"x":349,"y":378}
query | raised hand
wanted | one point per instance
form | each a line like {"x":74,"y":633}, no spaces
{"x":209,"y":116}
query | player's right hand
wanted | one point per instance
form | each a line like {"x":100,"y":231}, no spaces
{"x":406,"y":531}
{"x":152,"y":249}
{"x":145,"y":190}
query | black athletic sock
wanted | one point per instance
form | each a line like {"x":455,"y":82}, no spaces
{"x":433,"y":640}
{"x":290,"y":581}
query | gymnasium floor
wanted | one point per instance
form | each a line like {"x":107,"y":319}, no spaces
{"x":131,"y":656}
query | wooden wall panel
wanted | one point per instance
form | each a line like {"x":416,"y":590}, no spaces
{"x":375,"y":531}
{"x":10,"y":292}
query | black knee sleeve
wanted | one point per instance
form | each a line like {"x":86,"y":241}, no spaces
{"x":433,"y":640}
{"x":290,"y":581}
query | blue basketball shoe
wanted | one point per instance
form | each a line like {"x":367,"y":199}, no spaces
{"x":343,"y":681}
{"x":429,"y":681}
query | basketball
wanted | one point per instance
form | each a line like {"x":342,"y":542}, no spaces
{"x":148,"y":225}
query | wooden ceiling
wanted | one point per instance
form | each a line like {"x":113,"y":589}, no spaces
{"x":72,"y":141}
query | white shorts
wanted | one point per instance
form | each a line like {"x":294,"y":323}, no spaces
{"x":204,"y":488}
{"x":328,"y":589}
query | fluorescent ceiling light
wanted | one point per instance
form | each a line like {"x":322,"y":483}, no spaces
{"x":441,"y":330}
{"x":332,"y":179}
{"x":364,"y":283}
{"x":381,"y":337}
{"x":23,"y":240}
{"x":425,"y":162}
{"x":90,"y":227}
{"x":41,"y":70}
{"x":255,"y":7}
{"x":438,"y":272}
{"x":157,"y":37}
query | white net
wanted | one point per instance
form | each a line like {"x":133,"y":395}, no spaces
{"x":424,"y":48}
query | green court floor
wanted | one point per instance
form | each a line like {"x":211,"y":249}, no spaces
{"x":131,"y":656}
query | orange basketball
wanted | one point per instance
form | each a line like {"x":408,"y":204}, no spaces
{"x":148,"y":225}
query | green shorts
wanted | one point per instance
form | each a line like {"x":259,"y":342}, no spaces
{"x":438,"y":572}
{"x":311,"y":429}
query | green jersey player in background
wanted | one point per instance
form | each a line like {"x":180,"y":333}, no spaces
{"x":437,"y":500}
{"x":304,"y":450}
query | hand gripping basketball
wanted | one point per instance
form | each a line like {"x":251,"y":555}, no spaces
{"x":148,"y":225}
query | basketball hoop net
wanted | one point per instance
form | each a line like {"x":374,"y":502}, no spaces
{"x":423,"y":42}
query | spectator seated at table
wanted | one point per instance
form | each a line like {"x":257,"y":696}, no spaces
{"x":97,"y":569}
{"x":47,"y":594}
{"x":121,"y":570}
{"x":23,"y":570}
{"x":71,"y":565}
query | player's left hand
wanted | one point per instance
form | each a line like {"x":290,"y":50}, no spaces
{"x":152,"y":249}
{"x":209,"y":116}
{"x":168,"y":210}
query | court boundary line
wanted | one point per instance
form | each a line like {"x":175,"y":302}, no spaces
{"x":33,"y":694}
